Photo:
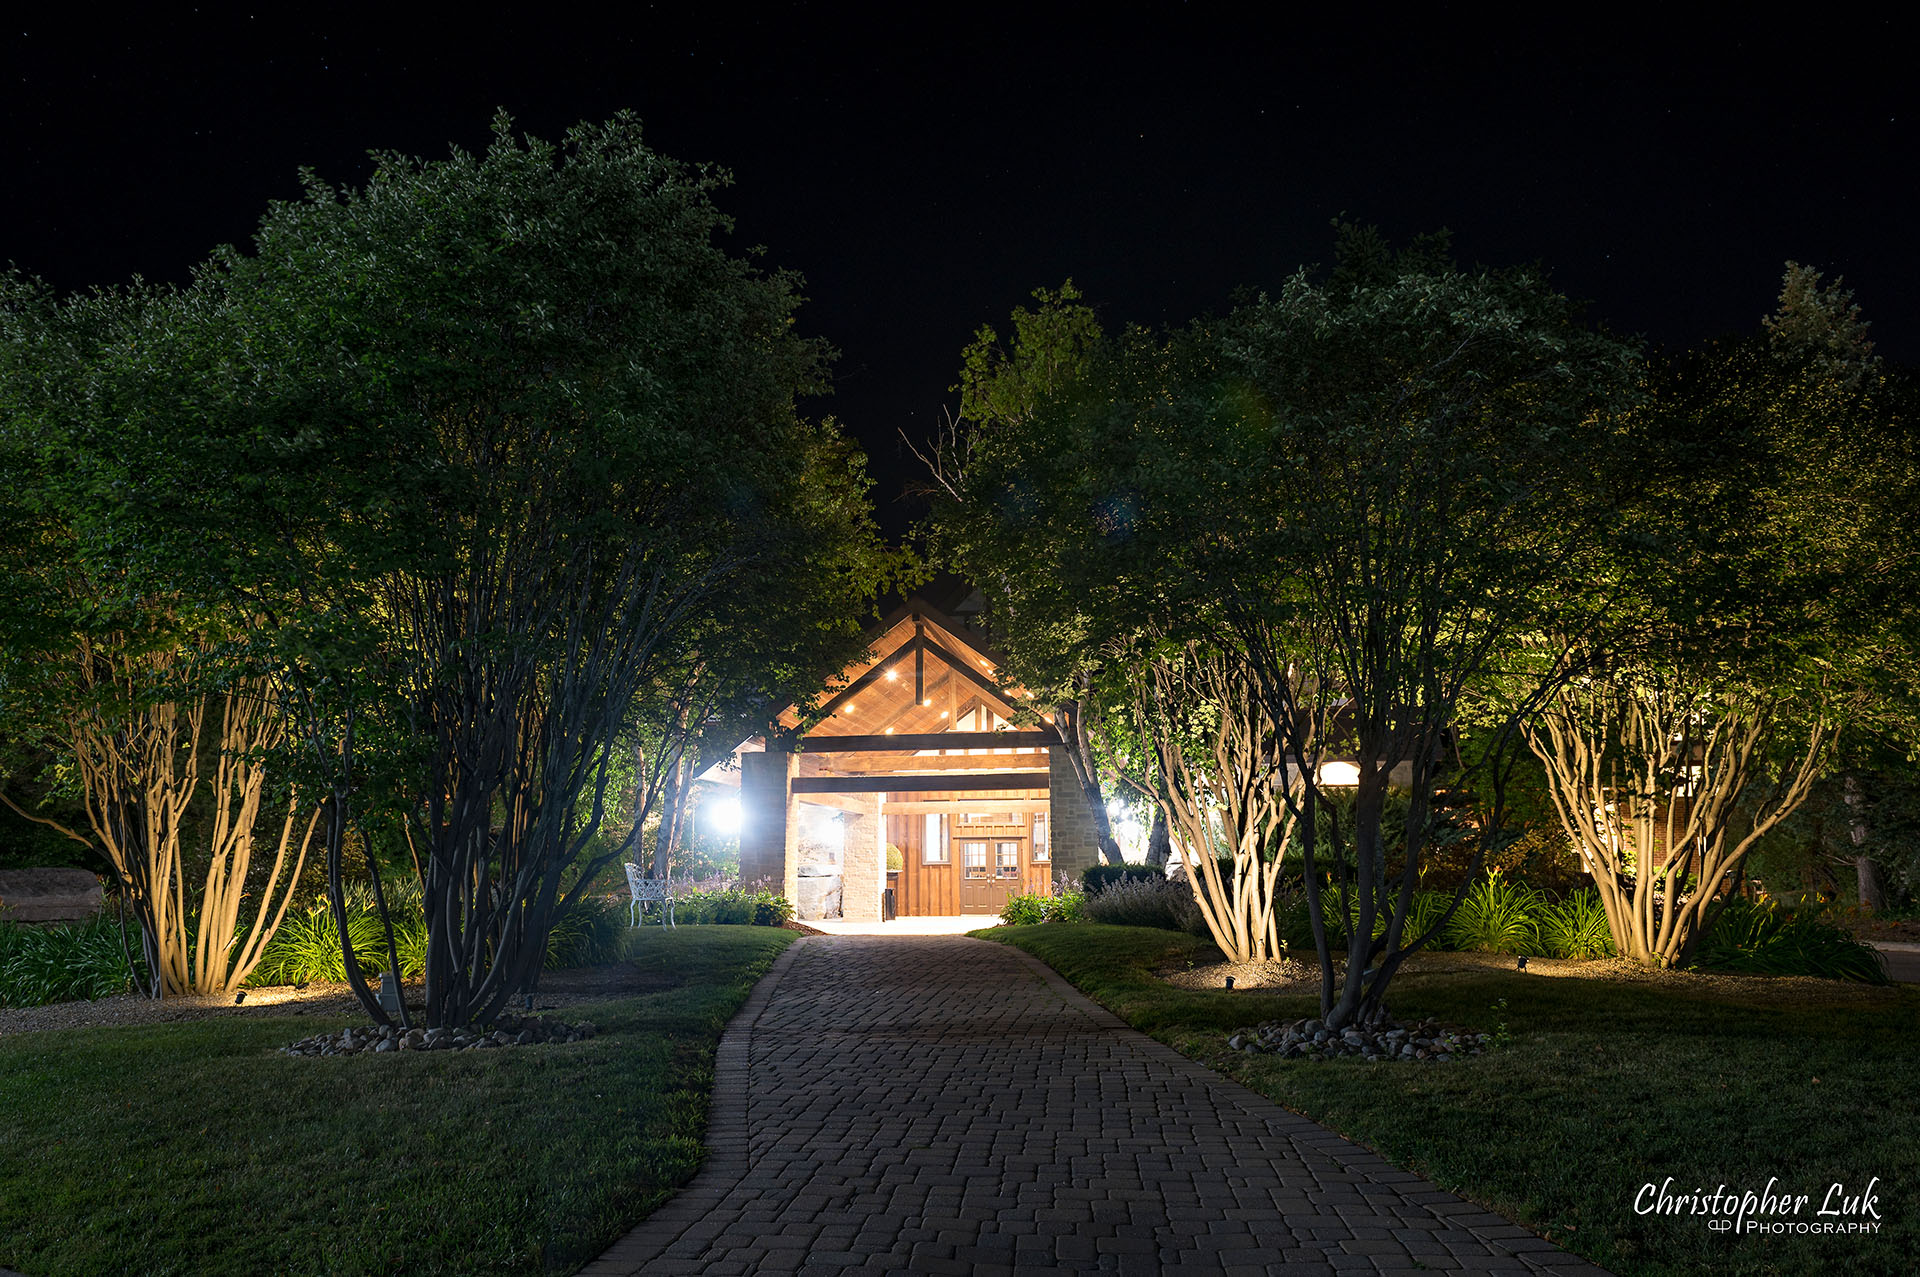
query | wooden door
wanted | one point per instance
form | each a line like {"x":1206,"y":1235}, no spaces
{"x":993,"y":870}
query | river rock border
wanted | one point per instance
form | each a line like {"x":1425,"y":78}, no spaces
{"x":1313,"y":1040}
{"x":507,"y":1030}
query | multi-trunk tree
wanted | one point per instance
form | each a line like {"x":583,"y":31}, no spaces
{"x":479,"y":453}
{"x":1765,"y":610}
{"x":1358,"y":490}
{"x":118,"y":672}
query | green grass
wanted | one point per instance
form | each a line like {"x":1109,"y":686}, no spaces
{"x":198,"y":1148}
{"x":1606,"y":1085}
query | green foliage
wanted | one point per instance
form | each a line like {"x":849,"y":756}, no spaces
{"x":1028,"y":910}
{"x":1097,"y":878}
{"x":1576,"y":926}
{"x":1498,"y":916}
{"x":64,"y":962}
{"x":307,"y":946}
{"x":1765,"y":939}
{"x":735,"y":906}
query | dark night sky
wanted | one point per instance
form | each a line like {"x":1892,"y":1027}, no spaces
{"x":926,"y":177}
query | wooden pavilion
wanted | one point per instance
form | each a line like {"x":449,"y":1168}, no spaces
{"x":915,"y":753}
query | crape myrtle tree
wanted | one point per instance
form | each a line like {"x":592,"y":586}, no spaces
{"x":774,"y":637}
{"x":1358,"y":490}
{"x":121,"y":680}
{"x":1776,"y":619}
{"x":1010,"y":537}
{"x":491,"y":437}
{"x":1437,"y":465}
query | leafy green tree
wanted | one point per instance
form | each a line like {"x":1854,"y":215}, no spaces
{"x":1009,"y":536}
{"x":477,"y":453}
{"x":1358,"y":490}
{"x":118,"y":680}
{"x":1774,"y":620}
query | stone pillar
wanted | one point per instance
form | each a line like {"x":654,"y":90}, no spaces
{"x":863,"y":863}
{"x":1069,"y":823}
{"x":766,"y":824}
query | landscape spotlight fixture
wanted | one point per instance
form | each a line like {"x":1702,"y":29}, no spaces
{"x":1523,"y":962}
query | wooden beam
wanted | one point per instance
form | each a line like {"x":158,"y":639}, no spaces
{"x":866,"y":680}
{"x":909,"y":743}
{"x":906,"y":806}
{"x":966,"y":671}
{"x":913,"y":784}
{"x":867,"y":764}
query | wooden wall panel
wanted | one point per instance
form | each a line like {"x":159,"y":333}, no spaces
{"x":924,"y":890}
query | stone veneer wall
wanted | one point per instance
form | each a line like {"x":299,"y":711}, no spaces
{"x":1070,"y":824}
{"x":863,"y":865}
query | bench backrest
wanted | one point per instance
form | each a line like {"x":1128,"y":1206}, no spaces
{"x":646,"y":889}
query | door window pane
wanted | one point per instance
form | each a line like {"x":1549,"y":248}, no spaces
{"x":1007,"y":860}
{"x":975,"y":856}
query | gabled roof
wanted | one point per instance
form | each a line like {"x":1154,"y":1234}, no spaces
{"x":924,"y":669}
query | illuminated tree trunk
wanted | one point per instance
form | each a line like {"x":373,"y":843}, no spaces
{"x":1219,"y":779}
{"x":140,"y":771}
{"x":1645,"y":774}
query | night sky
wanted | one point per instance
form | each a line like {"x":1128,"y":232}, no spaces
{"x":926,"y":177}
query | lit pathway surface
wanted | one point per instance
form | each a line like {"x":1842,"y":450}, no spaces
{"x":1903,"y":960}
{"x":945,"y":1105}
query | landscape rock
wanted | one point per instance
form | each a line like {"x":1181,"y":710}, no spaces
{"x":507,"y":1030}
{"x":1311,"y":1040}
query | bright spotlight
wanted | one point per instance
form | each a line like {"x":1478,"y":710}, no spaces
{"x":722,"y":815}
{"x":1339,"y":773}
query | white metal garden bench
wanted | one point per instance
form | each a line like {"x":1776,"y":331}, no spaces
{"x":648,"y":891}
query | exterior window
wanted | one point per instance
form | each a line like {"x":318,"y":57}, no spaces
{"x":1042,"y":852}
{"x":974,"y":856}
{"x":934,"y":851}
{"x":1007,"y":860}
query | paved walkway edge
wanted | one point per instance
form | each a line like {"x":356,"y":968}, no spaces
{"x":728,"y":1158}
{"x":726,"y":1162}
{"x":1493,"y":1230}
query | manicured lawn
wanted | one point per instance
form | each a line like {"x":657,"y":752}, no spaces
{"x":1605,"y":1086}
{"x":198,"y":1148}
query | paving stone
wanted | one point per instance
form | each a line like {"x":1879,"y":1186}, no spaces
{"x":945,"y":1105}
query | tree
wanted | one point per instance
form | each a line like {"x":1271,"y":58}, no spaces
{"x":485,"y":446}
{"x":1005,"y":390}
{"x":1773,"y":620}
{"x":1357,"y":490}
{"x":121,"y":680}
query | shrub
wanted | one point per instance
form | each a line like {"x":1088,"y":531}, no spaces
{"x":1762,"y":939}
{"x":734,"y":906}
{"x":896,"y":859}
{"x":1097,"y":878}
{"x":772,"y":911}
{"x":307,"y":947}
{"x":594,"y":931}
{"x":1029,"y":910}
{"x":1576,"y":927}
{"x":64,"y":962}
{"x":1025,"y":911}
{"x":1497,"y":916}
{"x":1142,"y":902}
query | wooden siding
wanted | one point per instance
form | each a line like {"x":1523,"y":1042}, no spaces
{"x":924,"y":890}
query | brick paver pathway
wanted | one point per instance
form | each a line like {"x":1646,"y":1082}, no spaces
{"x":946,"y":1105}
